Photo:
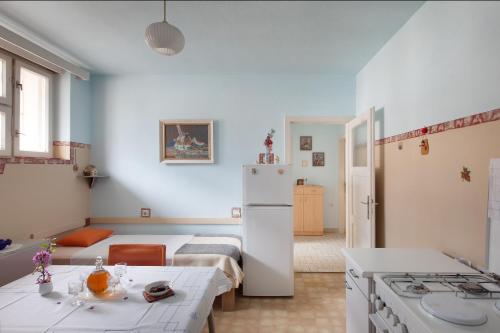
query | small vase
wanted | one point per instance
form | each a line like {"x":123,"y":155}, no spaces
{"x":45,"y":288}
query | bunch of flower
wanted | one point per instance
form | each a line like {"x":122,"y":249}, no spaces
{"x":41,"y":260}
{"x":269,"y":139}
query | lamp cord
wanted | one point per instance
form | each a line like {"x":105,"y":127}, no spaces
{"x":164,"y":10}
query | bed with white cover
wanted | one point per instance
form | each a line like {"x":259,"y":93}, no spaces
{"x":221,"y":251}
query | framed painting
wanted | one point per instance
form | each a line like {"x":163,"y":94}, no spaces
{"x":318,"y":159}
{"x":306,"y":143}
{"x":186,"y":141}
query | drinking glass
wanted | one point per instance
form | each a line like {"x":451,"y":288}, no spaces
{"x":120,"y":270}
{"x":74,"y":288}
{"x":83,"y":279}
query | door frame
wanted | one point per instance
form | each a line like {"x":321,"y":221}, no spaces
{"x":289,"y":120}
{"x":325,"y":120}
{"x":342,"y":189}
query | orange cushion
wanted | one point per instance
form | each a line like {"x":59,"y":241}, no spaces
{"x":84,"y":237}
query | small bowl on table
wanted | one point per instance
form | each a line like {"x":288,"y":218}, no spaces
{"x":157,"y":288}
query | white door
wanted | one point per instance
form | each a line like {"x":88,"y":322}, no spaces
{"x":360,"y":180}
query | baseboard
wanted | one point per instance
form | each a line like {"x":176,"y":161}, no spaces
{"x":163,"y":220}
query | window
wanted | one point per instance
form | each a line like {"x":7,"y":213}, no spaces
{"x":32,"y":111}
{"x":5,"y":104}
{"x":25,"y":111}
{"x":5,"y":125}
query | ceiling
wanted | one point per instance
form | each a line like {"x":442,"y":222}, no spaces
{"x":230,"y":37}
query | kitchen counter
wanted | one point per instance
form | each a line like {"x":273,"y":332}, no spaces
{"x":405,"y":260}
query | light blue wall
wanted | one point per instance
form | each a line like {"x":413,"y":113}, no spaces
{"x":81,"y":110}
{"x":125,"y":141}
{"x":441,"y":65}
{"x":171,"y":229}
{"x":325,"y":139}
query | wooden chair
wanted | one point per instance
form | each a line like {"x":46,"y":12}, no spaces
{"x":138,"y":254}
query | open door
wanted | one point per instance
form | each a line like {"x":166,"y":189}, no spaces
{"x":360,"y":181}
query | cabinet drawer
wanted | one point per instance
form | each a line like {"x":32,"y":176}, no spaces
{"x":357,"y":308}
{"x":361,"y":282}
{"x":313,"y":190}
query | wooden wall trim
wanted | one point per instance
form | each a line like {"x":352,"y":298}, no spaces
{"x":163,"y":220}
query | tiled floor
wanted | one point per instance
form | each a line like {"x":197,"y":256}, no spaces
{"x":317,"y":307}
{"x":319,"y":253}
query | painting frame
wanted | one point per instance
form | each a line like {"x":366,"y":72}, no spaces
{"x":168,"y":155}
{"x":318,"y":159}
{"x":305,"y":142}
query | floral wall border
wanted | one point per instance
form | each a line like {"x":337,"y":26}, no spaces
{"x":475,"y":119}
{"x":44,"y":160}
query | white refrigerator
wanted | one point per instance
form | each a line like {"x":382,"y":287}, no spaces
{"x":267,"y":230}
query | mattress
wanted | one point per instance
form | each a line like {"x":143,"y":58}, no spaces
{"x":86,"y":255}
{"x":221,"y":251}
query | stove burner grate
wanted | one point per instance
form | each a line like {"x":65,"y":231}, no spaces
{"x":472,"y":288}
{"x":417,"y":288}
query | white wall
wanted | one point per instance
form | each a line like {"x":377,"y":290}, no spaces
{"x":443,"y":64}
{"x":62,"y":107}
{"x":325,"y":139}
{"x":73,"y":109}
{"x":125,"y":142}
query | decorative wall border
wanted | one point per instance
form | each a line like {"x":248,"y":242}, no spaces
{"x":475,"y":119}
{"x":46,"y":160}
{"x":71,"y":144}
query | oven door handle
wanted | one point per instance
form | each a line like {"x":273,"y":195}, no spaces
{"x":378,"y":323}
{"x":353,"y":273}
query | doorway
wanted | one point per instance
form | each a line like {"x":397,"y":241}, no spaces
{"x":316,"y":149}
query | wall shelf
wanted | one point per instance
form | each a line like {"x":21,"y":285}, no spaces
{"x":92,"y":179}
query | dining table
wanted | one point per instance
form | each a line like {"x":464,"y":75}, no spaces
{"x":23,"y":309}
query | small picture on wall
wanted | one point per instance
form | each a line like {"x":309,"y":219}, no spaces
{"x":318,"y":159}
{"x":186,"y":141}
{"x":306,"y":143}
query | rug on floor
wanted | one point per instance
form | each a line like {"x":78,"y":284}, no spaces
{"x":319,"y":254}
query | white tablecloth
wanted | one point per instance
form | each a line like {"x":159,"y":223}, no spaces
{"x":22,"y":309}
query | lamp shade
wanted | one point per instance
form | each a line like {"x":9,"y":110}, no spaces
{"x":164,"y":38}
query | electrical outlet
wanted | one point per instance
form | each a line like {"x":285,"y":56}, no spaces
{"x":304,"y":163}
{"x":145,"y":212}
{"x":236,"y":212}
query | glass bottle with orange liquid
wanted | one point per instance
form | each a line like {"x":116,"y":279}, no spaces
{"x":98,"y":280}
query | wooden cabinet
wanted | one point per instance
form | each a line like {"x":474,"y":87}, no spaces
{"x":308,"y":210}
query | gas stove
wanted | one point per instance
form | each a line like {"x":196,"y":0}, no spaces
{"x":432,"y":303}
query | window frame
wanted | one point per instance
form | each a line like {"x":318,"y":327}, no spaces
{"x":7,"y":100}
{"x":18,"y":64}
{"x":6,"y":104}
{"x":7,"y":152}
